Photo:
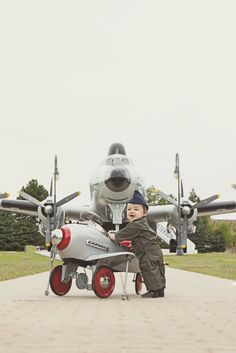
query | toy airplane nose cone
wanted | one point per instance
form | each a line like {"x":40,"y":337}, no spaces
{"x":118,"y":180}
{"x":56,"y":237}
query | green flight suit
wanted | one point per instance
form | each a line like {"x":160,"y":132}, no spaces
{"x":147,"y":250}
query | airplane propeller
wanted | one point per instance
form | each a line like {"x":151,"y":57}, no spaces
{"x":186,"y":212}
{"x":185,"y":209}
{"x":50,"y":209}
{"x":4,"y":195}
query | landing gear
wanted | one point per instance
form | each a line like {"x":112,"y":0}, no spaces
{"x":103,"y":282}
{"x":58,"y":287}
{"x":180,"y":251}
{"x":138,"y":283}
{"x":173,"y":245}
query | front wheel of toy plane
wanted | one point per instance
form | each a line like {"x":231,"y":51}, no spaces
{"x":57,"y":286}
{"x":138,"y":283}
{"x":103,"y":282}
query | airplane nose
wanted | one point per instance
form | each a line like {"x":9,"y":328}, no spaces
{"x":118,"y":180}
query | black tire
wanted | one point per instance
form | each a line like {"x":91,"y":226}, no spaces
{"x":173,"y":246}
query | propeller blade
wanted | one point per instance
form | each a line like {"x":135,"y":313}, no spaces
{"x":166,"y":197}
{"x":48,"y":231}
{"x":30,"y":198}
{"x":4,"y":195}
{"x":50,"y":194}
{"x":176,"y":171}
{"x":55,"y":166}
{"x":205,"y":201}
{"x":184,"y":232}
{"x":182,"y":189}
{"x":67,"y":198}
{"x":60,"y":219}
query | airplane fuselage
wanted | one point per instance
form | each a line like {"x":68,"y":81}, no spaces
{"x":112,"y":185}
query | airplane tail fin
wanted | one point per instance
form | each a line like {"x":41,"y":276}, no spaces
{"x":116,"y":148}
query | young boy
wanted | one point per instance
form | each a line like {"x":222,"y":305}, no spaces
{"x":145,"y":246}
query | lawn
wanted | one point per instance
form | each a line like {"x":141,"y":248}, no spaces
{"x":214,"y":264}
{"x":17,"y":264}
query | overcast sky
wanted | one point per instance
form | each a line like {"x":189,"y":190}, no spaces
{"x":157,"y":76}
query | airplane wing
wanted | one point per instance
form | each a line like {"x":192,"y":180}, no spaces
{"x":19,"y":206}
{"x":27,"y":208}
{"x":188,"y":214}
{"x":159,"y":213}
{"x":169,"y":213}
{"x":162,"y":213}
{"x":215,"y":208}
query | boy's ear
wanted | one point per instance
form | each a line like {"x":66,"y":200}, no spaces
{"x":145,"y":211}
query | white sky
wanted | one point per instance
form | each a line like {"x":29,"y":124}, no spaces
{"x":157,"y":76}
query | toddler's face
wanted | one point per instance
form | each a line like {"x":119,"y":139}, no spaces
{"x":135,"y":212}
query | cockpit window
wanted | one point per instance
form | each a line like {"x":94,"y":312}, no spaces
{"x":110,"y":161}
{"x":125,"y":161}
{"x":117,"y":161}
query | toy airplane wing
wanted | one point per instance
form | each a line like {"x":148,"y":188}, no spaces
{"x":112,"y":259}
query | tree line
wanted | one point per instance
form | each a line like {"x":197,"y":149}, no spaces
{"x":16,"y":230}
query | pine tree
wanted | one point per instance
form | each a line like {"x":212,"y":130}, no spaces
{"x":18,"y":230}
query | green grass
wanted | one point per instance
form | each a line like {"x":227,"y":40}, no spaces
{"x":214,"y":264}
{"x":18,"y":264}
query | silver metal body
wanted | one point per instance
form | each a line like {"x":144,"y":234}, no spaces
{"x":90,"y":244}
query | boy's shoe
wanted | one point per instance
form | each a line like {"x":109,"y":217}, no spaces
{"x":154,"y":294}
{"x":151,"y":294}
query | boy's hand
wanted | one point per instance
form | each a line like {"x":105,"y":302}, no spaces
{"x":111,"y":236}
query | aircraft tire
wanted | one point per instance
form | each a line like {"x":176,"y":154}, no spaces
{"x":173,"y":246}
{"x":57,"y":286}
{"x":138,"y":283}
{"x":103,"y":282}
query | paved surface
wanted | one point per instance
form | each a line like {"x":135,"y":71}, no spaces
{"x":198,"y":314}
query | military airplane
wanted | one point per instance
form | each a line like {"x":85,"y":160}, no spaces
{"x":111,"y":186}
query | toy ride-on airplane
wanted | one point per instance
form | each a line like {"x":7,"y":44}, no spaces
{"x":86,"y":244}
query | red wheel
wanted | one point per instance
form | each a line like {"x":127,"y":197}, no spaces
{"x":103,"y":282}
{"x":58,"y":287}
{"x":138,"y":283}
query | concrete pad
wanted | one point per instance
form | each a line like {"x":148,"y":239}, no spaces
{"x":198,"y":314}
